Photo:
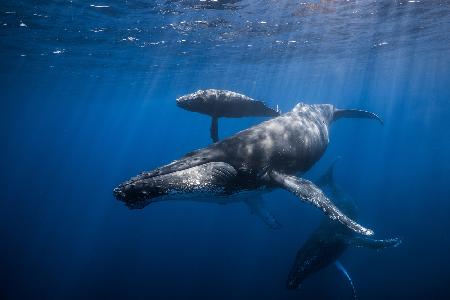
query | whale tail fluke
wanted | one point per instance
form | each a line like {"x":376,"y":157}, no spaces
{"x":355,"y":113}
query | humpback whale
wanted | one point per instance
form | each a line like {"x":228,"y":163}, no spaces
{"x":263,"y":157}
{"x":222,"y":103}
{"x":331,"y":239}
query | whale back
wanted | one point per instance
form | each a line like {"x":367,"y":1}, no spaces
{"x":329,"y":113}
{"x":323,"y":113}
{"x":292,"y":142}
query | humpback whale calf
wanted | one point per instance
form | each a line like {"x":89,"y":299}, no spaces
{"x":222,"y":103}
{"x":331,"y":239}
{"x":262,"y":157}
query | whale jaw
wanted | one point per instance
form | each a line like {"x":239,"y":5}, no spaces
{"x":211,"y":179}
{"x":134,"y":195}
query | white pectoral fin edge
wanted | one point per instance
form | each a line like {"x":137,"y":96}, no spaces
{"x":373,"y":243}
{"x":341,"y":268}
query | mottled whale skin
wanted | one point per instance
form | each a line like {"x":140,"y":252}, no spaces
{"x":331,"y":239}
{"x":222,"y":103}
{"x":262,"y":157}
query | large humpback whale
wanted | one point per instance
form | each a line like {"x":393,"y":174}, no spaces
{"x":262,"y":157}
{"x":222,"y":103}
{"x":331,"y":239}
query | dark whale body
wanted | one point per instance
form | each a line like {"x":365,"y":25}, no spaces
{"x":331,"y":239}
{"x":263,"y":157}
{"x":226,"y":104}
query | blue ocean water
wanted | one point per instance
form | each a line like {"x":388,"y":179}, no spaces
{"x":88,"y":95}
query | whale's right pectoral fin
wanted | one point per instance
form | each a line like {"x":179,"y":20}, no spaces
{"x":214,"y":130}
{"x":374,"y":244}
{"x":257,"y":207}
{"x":310,"y":193}
{"x":341,"y":268}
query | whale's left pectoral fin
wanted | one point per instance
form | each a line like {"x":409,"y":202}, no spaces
{"x":310,"y":193}
{"x":258,"y":207}
{"x":373,"y":243}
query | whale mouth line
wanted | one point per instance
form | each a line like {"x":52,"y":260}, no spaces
{"x":143,"y":197}
{"x":137,"y":201}
{"x":138,"y":204}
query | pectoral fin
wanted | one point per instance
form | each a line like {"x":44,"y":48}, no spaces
{"x":355,"y":113}
{"x":214,"y":130}
{"x":310,"y":193}
{"x":257,"y":207}
{"x":341,"y":268}
{"x":374,"y":244}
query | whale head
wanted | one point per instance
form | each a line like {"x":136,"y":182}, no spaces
{"x":136,"y":193}
{"x":199,"y":101}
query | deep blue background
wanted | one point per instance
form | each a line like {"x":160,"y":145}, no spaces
{"x":68,"y":139}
